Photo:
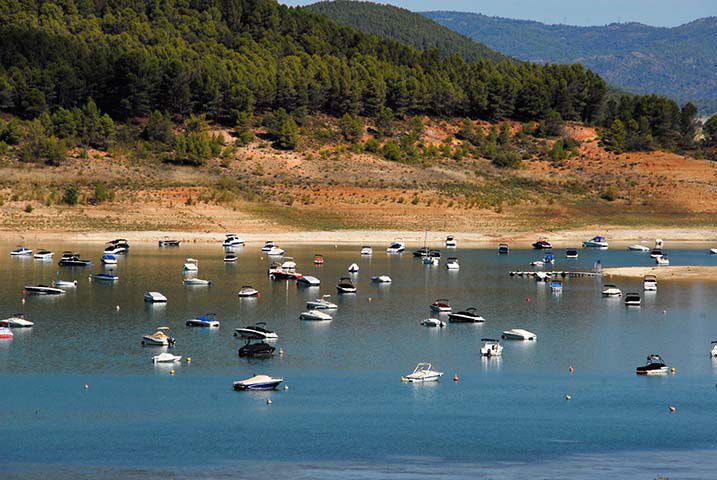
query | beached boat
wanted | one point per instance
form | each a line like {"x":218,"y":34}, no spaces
{"x":469,"y":315}
{"x":345,"y":285}
{"x":315,"y":316}
{"x":597,"y":241}
{"x":166,"y":357}
{"x":208,"y":320}
{"x":491,"y":348}
{"x":452,"y":263}
{"x":451,"y":242}
{"x":519,"y":334}
{"x":159,"y":338}
{"x":649,"y":283}
{"x":16,"y":321}
{"x":154,"y":297}
{"x":441,"y":305}
{"x":381,"y":279}
{"x":422,"y":373}
{"x":633,"y":300}
{"x":611,"y":291}
{"x":6,"y":333}
{"x":21,"y":252}
{"x":542,"y":244}
{"x":257,"y":383}
{"x":366,"y":250}
{"x":43,"y":254}
{"x":232,"y":240}
{"x":191,"y":265}
{"x":503,"y":249}
{"x":433,"y":322}
{"x":321,"y":304}
{"x":308,"y":281}
{"x":248,"y":291}
{"x":43,"y":290}
{"x":256,"y":332}
{"x":655,"y":366}
{"x":397,"y":246}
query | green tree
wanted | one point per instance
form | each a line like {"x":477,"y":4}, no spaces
{"x":351,"y":128}
{"x":710,"y":131}
{"x":615,"y":137}
{"x":159,"y":128}
{"x":71,"y":195}
{"x":244,"y":128}
{"x":287,"y":136}
{"x":37,"y":146}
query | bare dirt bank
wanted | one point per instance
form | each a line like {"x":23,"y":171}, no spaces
{"x":707,"y":273}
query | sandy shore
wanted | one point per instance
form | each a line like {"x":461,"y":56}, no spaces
{"x":619,"y":237}
{"x":665,"y":273}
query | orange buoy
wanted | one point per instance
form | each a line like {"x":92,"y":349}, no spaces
{"x":455,"y":377}
{"x":571,"y":369}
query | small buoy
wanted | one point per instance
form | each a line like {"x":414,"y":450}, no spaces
{"x":568,"y":397}
{"x":189,"y":359}
{"x":571,"y":369}
{"x":286,"y":387}
{"x":673,"y":370}
{"x":171,"y":372}
{"x":268,"y":401}
{"x":86,"y":386}
{"x":527,"y":299}
{"x":455,"y":377}
{"x":23,"y":300}
{"x":281,"y":351}
{"x":118,"y":308}
{"x":369,"y":299}
{"x":672,"y":408}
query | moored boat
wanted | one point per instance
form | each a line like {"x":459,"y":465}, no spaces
{"x":345,"y":285}
{"x":366,"y":250}
{"x":451,"y":242}
{"x":232,"y":240}
{"x":105,"y":277}
{"x":71,"y":259}
{"x":441,"y":305}
{"x":422,"y":373}
{"x":108,"y":259}
{"x":21,"y":252}
{"x":6,"y":333}
{"x":321,"y":304}
{"x":542,"y":244}
{"x":154,"y":297}
{"x":649,"y":283}
{"x":469,"y":315}
{"x":519,"y":334}
{"x":397,"y":246}
{"x":610,"y":290}
{"x":231,"y":258}
{"x":638,"y":248}
{"x":654,"y":366}
{"x":632,"y":300}
{"x":191,"y":265}
{"x":197,"y":282}
{"x":248,"y":291}
{"x":318,"y":259}
{"x":43,"y":290}
{"x":256,"y":350}
{"x":208,"y":320}
{"x":433,"y":322}
{"x":503,"y":249}
{"x":16,"y":321}
{"x":315,"y":316}
{"x":257,"y":383}
{"x":166,"y":357}
{"x":491,"y":347}
{"x":381,"y":279}
{"x":452,"y":263}
{"x":43,"y":254}
{"x":159,"y":338}
{"x":259,"y":331}
{"x":168,"y":242}
{"x":308,"y":281}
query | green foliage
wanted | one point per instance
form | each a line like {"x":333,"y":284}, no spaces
{"x":193,"y":148}
{"x":614,"y":138}
{"x":283,"y":129}
{"x":37,"y":146}
{"x":244,"y":128}
{"x":159,"y":128}
{"x":551,"y":126}
{"x":507,"y":159}
{"x":384,"y":122}
{"x":351,"y":128}
{"x":101,"y":194}
{"x":710,"y":131}
{"x":10,"y":132}
{"x":372,"y":146}
{"x":391,"y":151}
{"x":71,"y":195}
{"x":28,"y":208}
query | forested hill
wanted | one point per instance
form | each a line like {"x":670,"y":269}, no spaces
{"x":679,"y":62}
{"x":225,"y":57}
{"x":405,"y":26}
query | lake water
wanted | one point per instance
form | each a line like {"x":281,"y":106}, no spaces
{"x":346,"y":414}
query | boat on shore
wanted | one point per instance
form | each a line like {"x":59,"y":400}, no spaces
{"x":542,"y":244}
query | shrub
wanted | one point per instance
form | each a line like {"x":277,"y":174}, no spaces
{"x":611,"y":193}
{"x":71,"y":195}
{"x":391,"y":151}
{"x":28,"y":208}
{"x":507,"y":159}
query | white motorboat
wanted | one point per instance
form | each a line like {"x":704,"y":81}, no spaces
{"x":248,"y":291}
{"x":429,"y":260}
{"x":64,"y":283}
{"x":451,"y":242}
{"x":649,"y":283}
{"x":17,"y":321}
{"x":452,"y":263}
{"x":43,"y":290}
{"x":288,"y":265}
{"x":469,"y":315}
{"x":345,"y":285}
{"x":633,"y":300}
{"x":108,"y":259}
{"x":231,"y":258}
{"x":159,"y":338}
{"x":491,"y":348}
{"x":256,"y":332}
{"x":308,"y":281}
{"x":21,"y":252}
{"x":6,"y":333}
{"x":662,"y":261}
{"x":655,"y":366}
{"x":199,"y":282}
{"x":366,"y":250}
{"x":659,"y":243}
{"x":154,"y":297}
{"x":315,"y":316}
{"x":258,"y":383}
{"x":191,"y":265}
{"x":433,"y":322}
{"x":571,"y":253}
{"x":208,"y":320}
{"x":353,"y":268}
{"x":542,"y":276}
{"x":381,"y":279}
{"x":597,"y":241}
{"x":321,"y":304}
{"x":396,"y":246}
{"x":422,"y":373}
{"x":611,"y":291}
{"x":232,"y":240}
{"x":713,"y":352}
{"x":713,"y":251}
{"x":117,"y":246}
{"x":105,"y":277}
{"x":275,"y":251}
{"x":441,"y":305}
{"x":537,"y":263}
{"x":638,"y":248}
{"x":268,"y":245}
{"x":518,"y":334}
{"x":166,"y":358}
{"x":556,"y":285}
{"x":43,"y":255}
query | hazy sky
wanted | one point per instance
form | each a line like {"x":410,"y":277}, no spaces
{"x":574,"y":12}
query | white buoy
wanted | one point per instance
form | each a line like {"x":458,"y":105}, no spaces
{"x":23,"y":300}
{"x":86,"y":386}
{"x":672,"y":408}
{"x":268,"y":401}
{"x":571,"y":369}
{"x":117,"y":308}
{"x":286,"y":387}
{"x":568,"y":397}
{"x":281,"y":351}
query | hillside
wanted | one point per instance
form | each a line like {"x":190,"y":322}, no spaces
{"x":404,"y":26}
{"x":678,"y":62}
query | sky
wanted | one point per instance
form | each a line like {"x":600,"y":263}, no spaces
{"x":667,"y":13}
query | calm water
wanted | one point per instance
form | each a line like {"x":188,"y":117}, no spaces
{"x":346,"y":414}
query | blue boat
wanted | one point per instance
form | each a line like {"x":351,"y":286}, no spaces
{"x":105,"y":277}
{"x":109,"y":259}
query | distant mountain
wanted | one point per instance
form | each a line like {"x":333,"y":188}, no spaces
{"x":404,"y":26}
{"x":679,"y":62}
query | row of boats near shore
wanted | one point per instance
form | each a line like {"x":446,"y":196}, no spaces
{"x":258,"y":337}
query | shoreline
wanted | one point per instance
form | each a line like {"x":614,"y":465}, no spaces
{"x":618,"y":237}
{"x":706,"y":273}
